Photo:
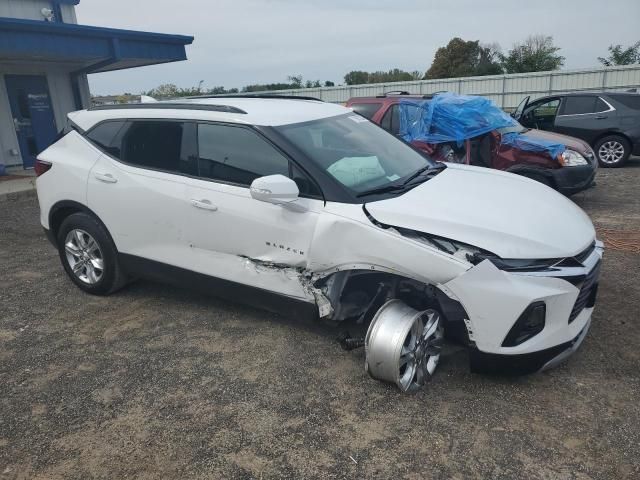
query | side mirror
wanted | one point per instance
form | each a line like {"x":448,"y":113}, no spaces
{"x":276,"y":189}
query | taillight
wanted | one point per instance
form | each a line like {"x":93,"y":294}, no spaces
{"x":41,"y":167}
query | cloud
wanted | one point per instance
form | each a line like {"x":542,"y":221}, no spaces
{"x":239,"y":42}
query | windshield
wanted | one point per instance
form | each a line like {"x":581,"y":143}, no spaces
{"x":357,"y":153}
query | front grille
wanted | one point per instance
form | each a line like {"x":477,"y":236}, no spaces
{"x":588,"y":289}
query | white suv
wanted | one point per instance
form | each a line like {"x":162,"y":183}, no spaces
{"x":306,"y":207}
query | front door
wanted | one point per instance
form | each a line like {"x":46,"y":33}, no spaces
{"x":32,"y":114}
{"x":235,"y":237}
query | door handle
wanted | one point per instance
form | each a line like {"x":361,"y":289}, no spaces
{"x":204,"y":204}
{"x":601,"y":117}
{"x":105,"y":177}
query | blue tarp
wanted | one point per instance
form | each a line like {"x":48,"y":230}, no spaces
{"x":449,"y":117}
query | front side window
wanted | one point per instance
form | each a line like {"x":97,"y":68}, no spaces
{"x":367,"y":110}
{"x":579,"y":105}
{"x":157,"y":145}
{"x":237,"y":155}
{"x":355,"y":152}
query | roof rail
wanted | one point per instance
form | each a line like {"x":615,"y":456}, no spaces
{"x":404,"y":92}
{"x":171,"y":106}
{"x":260,"y":95}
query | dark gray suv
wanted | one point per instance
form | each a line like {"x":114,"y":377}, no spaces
{"x":608,"y":121}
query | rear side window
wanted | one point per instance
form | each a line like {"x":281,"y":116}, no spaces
{"x":579,"y":105}
{"x":367,"y":110}
{"x":391,"y":120}
{"x":158,"y":145}
{"x":630,"y":101}
{"x":237,"y":155}
{"x":105,"y":136}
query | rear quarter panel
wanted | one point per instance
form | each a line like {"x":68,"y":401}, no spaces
{"x":72,"y":158}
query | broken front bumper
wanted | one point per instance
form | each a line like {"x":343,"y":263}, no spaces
{"x":495,"y":300}
{"x":529,"y":362}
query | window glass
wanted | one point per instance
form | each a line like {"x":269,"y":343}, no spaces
{"x":104,"y":136}
{"x":629,"y":100}
{"x":601,"y":106}
{"x":355,"y":152}
{"x":546,"y":109}
{"x":391,"y":120}
{"x":157,"y":145}
{"x":579,"y":105}
{"x":306,"y":186}
{"x":367,"y":110}
{"x":237,"y":155}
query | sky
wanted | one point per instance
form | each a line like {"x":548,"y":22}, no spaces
{"x":241,"y":42}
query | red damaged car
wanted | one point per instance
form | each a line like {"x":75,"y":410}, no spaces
{"x":473,"y":130}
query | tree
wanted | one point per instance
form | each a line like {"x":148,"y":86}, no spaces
{"x":356,"y":77}
{"x":296,"y":81}
{"x":622,"y":56}
{"x":460,"y":58}
{"x":536,"y":54}
{"x":166,"y":90}
{"x":329,"y":83}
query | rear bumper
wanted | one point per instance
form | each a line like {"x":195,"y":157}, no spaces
{"x":570,"y":180}
{"x":523,"y":364}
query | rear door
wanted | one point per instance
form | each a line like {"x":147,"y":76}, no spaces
{"x":231,"y":235}
{"x":137,"y":186}
{"x":585,"y":117}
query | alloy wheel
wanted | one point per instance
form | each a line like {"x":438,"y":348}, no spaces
{"x":611,"y":152}
{"x":403,"y":345}
{"x":84,"y":256}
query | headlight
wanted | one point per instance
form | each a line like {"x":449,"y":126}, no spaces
{"x":571,"y":158}
{"x":516,"y":264}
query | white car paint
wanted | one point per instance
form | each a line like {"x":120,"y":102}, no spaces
{"x":511,"y":216}
{"x":220,"y":230}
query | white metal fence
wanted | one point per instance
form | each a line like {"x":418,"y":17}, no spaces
{"x":506,"y":90}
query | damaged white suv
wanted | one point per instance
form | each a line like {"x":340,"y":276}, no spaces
{"x":304,"y":206}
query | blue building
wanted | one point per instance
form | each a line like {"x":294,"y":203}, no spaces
{"x":45,"y":57}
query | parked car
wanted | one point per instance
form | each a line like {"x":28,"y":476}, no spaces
{"x":304,"y":207}
{"x":568,"y":167}
{"x":608,"y":121}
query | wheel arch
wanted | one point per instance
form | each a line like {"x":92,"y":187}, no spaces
{"x":611,"y":133}
{"x":358,"y":293}
{"x":63,"y":209}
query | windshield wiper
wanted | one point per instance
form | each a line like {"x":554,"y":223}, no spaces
{"x":430,"y":171}
{"x":385,"y":189}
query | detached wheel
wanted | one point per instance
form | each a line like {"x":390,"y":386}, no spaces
{"x":403,"y":345}
{"x":612,"y":151}
{"x":88,"y":255}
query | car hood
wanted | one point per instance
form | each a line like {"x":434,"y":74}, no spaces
{"x":506,"y":214}
{"x":572,"y":143}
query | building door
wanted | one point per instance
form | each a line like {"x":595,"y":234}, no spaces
{"x":32,"y":115}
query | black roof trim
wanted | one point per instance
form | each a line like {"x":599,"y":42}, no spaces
{"x":261,"y":95}
{"x":170,"y":106}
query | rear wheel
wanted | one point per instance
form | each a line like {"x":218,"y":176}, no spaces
{"x":88,"y":255}
{"x":612,"y":151}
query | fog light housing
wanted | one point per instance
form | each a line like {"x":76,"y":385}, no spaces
{"x":528,"y":325}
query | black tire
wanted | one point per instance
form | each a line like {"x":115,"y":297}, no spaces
{"x":112,"y":276}
{"x":616,"y":142}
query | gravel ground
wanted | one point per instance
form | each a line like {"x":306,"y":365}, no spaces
{"x":155,"y":382}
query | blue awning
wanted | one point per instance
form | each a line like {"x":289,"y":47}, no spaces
{"x":90,"y":49}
